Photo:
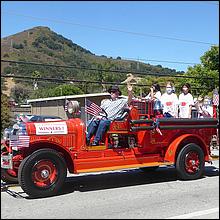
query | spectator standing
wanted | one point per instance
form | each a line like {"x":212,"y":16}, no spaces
{"x":185,"y":102}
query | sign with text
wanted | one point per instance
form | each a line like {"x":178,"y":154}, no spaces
{"x":51,"y":128}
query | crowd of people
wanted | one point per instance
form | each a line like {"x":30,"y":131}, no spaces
{"x":180,"y":106}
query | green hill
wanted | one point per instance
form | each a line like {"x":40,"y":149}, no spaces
{"x":42,"y":45}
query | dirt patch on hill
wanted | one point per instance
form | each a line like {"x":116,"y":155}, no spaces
{"x":9,"y":84}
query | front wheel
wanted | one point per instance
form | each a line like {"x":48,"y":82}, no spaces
{"x":42,"y":173}
{"x":190,"y":162}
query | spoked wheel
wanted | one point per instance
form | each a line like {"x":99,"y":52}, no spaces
{"x":42,"y":173}
{"x":190,"y":162}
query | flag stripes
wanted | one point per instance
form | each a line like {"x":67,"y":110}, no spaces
{"x":21,"y":141}
{"x":66,"y":105}
{"x":92,"y":108}
{"x":215,"y":98}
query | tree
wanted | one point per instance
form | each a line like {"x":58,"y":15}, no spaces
{"x":61,"y":90}
{"x":209,"y":67}
{"x":36,"y":74}
{"x":20,"y":93}
{"x":65,"y":90}
{"x":5,"y":112}
{"x":210,"y":59}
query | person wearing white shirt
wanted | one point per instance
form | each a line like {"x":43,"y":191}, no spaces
{"x":185,"y":102}
{"x":170,"y":102}
{"x":155,"y":92}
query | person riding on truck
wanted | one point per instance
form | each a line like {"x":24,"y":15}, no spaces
{"x":113,"y":108}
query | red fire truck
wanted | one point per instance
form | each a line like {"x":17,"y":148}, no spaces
{"x":140,"y":139}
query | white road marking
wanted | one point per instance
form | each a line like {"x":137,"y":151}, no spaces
{"x":194,"y":214}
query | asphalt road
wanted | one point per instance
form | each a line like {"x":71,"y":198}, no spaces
{"x":130,"y":194}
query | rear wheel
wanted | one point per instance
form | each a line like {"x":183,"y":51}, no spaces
{"x":42,"y":173}
{"x":190,"y":162}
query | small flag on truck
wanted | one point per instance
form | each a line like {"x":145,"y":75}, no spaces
{"x":66,"y":105}
{"x":20,"y":141}
{"x":92,"y":108}
{"x":215,"y":98}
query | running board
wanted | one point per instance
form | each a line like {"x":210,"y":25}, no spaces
{"x":121,"y":167}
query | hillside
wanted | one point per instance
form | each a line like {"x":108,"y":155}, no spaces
{"x":42,"y":45}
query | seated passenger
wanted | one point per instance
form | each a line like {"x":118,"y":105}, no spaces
{"x":205,"y":110}
{"x":155,"y":92}
{"x":113,"y":108}
{"x":185,"y":102}
{"x":198,"y":104}
{"x":169,"y":101}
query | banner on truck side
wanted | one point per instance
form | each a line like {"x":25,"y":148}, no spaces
{"x":51,"y":128}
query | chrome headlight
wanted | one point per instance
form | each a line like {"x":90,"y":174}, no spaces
{"x":73,"y":107}
{"x":19,"y":129}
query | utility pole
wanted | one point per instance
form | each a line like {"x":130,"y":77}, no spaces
{"x":35,"y":85}
{"x":138,"y":63}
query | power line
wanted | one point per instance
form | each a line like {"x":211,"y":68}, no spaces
{"x":114,"y":30}
{"x":70,"y":81}
{"x":161,"y":61}
{"x":106,"y":70}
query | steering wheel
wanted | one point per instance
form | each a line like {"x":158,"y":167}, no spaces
{"x":103,"y":113}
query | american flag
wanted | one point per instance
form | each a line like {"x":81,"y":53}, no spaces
{"x":215,"y":98}
{"x":20,"y":141}
{"x":65,"y":105}
{"x":92,"y":108}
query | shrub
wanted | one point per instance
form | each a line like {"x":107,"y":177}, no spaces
{"x":18,"y":46}
{"x":6,"y":55}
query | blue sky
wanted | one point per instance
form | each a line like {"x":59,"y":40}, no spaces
{"x":129,"y":29}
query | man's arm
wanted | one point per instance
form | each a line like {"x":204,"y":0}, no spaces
{"x":130,"y":93}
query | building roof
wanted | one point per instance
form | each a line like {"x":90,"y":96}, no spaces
{"x":67,"y":97}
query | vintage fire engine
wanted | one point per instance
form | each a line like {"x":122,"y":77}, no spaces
{"x":142,"y":139}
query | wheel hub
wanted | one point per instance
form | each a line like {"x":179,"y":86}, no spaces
{"x":44,"y":174}
{"x":192,"y":162}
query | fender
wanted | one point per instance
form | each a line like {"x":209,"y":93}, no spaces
{"x":66,"y":152}
{"x":174,"y":147}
